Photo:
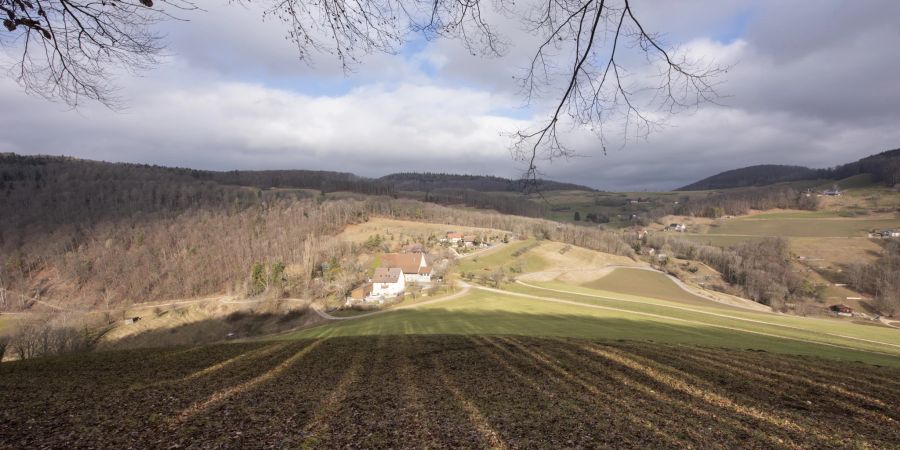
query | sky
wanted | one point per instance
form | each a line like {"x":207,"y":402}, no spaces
{"x":809,"y":82}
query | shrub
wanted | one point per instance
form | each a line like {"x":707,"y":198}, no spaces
{"x":43,"y":337}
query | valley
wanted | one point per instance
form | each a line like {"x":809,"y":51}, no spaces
{"x":307,"y":319}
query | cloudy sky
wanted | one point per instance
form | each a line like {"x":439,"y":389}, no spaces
{"x":810,"y":83}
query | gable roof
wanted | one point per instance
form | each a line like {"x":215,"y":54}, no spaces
{"x":408,"y":262}
{"x":387,"y":275}
{"x":453,"y":235}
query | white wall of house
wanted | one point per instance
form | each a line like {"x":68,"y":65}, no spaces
{"x":389,"y":289}
{"x":417,"y":277}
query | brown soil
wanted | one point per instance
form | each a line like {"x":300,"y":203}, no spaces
{"x":446,"y":392}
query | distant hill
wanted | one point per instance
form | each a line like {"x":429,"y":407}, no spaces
{"x":760,"y":175}
{"x":883,"y":167}
{"x":424,"y":182}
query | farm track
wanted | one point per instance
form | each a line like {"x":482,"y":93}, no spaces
{"x":323,"y":314}
{"x":443,"y":391}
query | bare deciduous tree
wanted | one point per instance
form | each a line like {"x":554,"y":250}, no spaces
{"x":596,"y":59}
{"x":69,"y":49}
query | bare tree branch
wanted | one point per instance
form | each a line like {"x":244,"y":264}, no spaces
{"x":597,"y":90}
{"x":70,"y":49}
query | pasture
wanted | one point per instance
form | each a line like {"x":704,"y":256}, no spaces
{"x":562,"y":310}
{"x":645,"y":284}
{"x":446,"y":392}
{"x":517,"y":255}
{"x":802,"y":227}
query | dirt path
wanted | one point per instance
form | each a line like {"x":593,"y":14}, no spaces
{"x":465,"y":290}
{"x":481,"y":252}
{"x":727,"y":316}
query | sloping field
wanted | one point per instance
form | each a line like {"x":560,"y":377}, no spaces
{"x":805,"y":227}
{"x":446,"y":392}
{"x":527,"y":311}
{"x":646,"y":284}
{"x":518,"y":254}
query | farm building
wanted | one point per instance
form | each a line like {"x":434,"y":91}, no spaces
{"x":388,"y":282}
{"x":414,"y":266}
{"x":679,"y":227}
{"x":362,"y":292}
{"x":889,"y":233}
{"x":454,"y":237}
{"x":841,"y":310}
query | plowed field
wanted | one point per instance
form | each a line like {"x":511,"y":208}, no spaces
{"x":447,"y":392}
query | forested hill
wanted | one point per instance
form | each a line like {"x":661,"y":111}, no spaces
{"x":425,"y":182}
{"x":760,"y":175}
{"x":884,"y":168}
{"x":46,"y":191}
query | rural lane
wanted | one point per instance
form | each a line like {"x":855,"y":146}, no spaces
{"x":465,"y":290}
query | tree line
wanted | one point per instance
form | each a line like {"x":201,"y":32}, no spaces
{"x":761,"y":270}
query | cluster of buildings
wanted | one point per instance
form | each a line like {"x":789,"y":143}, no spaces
{"x":678,"y":227}
{"x":397,"y":271}
{"x":459,"y":239}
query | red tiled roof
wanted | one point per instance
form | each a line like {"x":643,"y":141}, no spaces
{"x":408,"y":262}
{"x":387,"y":275}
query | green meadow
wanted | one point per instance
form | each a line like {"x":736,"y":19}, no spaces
{"x":562,"y":310}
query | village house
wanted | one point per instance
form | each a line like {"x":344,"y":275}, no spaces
{"x":890,"y":233}
{"x":361,"y":293}
{"x":414,"y":267}
{"x":469,"y":240}
{"x":679,"y":227}
{"x":453,"y":237}
{"x":388,"y":282}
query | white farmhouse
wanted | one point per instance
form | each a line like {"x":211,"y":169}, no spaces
{"x":388,"y":282}
{"x":414,"y":266}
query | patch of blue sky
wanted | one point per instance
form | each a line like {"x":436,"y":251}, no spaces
{"x":412,"y":50}
{"x":734,"y":28}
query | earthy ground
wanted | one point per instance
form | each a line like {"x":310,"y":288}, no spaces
{"x":447,"y":392}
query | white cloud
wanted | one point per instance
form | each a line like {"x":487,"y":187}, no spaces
{"x":813,"y":83}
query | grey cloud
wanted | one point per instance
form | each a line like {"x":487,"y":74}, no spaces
{"x":814,"y":84}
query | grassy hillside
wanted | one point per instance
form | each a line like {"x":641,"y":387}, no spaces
{"x":646,"y":284}
{"x":802,"y":226}
{"x":561,"y":310}
{"x":447,"y":391}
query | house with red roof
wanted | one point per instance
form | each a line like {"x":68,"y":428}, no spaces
{"x":414,"y":266}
